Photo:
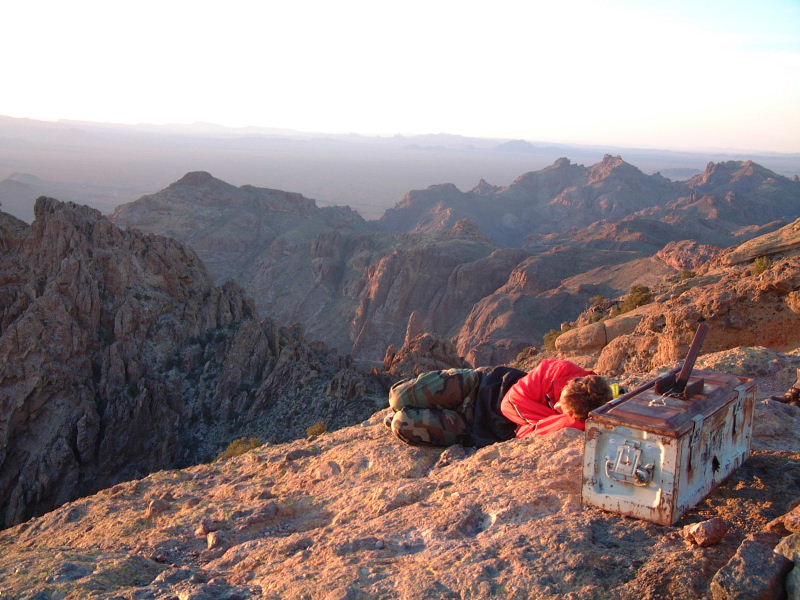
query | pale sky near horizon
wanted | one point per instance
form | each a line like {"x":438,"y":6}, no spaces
{"x":680,"y":74}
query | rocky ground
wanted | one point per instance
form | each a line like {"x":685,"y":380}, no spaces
{"x":356,"y":514}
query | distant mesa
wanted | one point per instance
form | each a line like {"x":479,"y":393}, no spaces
{"x":25,"y":178}
{"x":515,"y":146}
{"x":525,"y":147}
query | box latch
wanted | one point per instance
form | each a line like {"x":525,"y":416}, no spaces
{"x":626,"y":468}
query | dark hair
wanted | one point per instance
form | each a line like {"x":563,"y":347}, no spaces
{"x":583,"y":395}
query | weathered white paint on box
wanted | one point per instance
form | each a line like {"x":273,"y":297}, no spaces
{"x":654,"y":457}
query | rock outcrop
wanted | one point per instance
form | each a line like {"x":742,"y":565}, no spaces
{"x":782,"y":241}
{"x":118,"y":357}
{"x":545,"y":291}
{"x":743,"y":304}
{"x":423,"y":352}
{"x":687,"y":255}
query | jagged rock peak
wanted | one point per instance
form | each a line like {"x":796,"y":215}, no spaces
{"x":609,"y":165}
{"x":563,"y":162}
{"x":562,"y":169}
{"x":730,"y":171}
{"x":118,"y":357}
{"x":484,"y":188}
{"x":422,"y":352}
{"x":45,"y":208}
{"x":467,"y":228}
{"x":431,"y":193}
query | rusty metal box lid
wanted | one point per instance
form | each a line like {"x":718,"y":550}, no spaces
{"x":667,"y":414}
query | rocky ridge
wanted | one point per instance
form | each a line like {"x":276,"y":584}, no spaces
{"x":620,"y":206}
{"x":351,"y":514}
{"x":741,"y":302}
{"x":118,"y":357}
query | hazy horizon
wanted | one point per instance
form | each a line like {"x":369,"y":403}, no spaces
{"x":104,"y":165}
{"x":715,"y":76}
{"x":207,"y":127}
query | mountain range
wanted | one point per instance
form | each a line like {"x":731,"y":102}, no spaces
{"x":492,"y":268}
{"x":368,"y":173}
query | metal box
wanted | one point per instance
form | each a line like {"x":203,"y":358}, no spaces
{"x":654,"y":456}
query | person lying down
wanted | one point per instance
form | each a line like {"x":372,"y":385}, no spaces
{"x":478,"y":407}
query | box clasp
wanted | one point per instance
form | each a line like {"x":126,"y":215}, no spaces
{"x":626,"y":468}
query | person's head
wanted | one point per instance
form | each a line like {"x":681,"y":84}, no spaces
{"x":582,"y":395}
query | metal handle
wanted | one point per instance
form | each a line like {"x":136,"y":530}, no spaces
{"x":691,"y":358}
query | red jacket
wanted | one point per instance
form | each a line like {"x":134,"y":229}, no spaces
{"x":529,"y":402}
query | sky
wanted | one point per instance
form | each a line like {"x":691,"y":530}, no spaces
{"x":688,"y":75}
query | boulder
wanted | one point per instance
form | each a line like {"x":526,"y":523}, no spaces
{"x":582,"y":340}
{"x":754,"y":573}
{"x":785,"y":240}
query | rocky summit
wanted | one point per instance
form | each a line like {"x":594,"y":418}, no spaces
{"x":358,"y":514}
{"x":118,"y":357}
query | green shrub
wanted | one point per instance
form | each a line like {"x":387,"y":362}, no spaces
{"x":317,"y":428}
{"x":551,"y":336}
{"x":637,"y":296}
{"x":688,"y":274}
{"x":238,"y":447}
{"x":761,"y":264}
{"x":550,"y":339}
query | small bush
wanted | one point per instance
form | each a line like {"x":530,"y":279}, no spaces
{"x":688,"y":274}
{"x":551,"y":336}
{"x":598,"y":300}
{"x":637,"y":296}
{"x":239,"y":447}
{"x":761,"y":264}
{"x":317,"y":428}
{"x":526,"y":353}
